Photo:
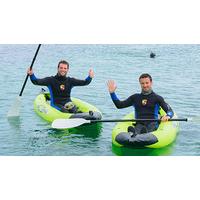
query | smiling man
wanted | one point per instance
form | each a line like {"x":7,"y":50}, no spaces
{"x":146,"y":104}
{"x":60,"y":86}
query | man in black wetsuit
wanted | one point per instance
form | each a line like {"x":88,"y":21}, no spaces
{"x":146,"y":105}
{"x":60,"y":86}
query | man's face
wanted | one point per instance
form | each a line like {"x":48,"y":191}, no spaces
{"x":63,"y":69}
{"x":146,"y":84}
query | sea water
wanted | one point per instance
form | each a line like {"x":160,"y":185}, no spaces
{"x":175,"y":71}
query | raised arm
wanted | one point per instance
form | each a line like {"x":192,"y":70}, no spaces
{"x":36,"y":81}
{"x":78,"y":82}
{"x":119,"y":104}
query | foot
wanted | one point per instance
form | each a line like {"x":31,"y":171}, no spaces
{"x":91,"y":113}
{"x":143,"y":130}
{"x":132,"y":132}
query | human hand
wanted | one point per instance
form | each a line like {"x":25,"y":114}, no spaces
{"x":29,"y":71}
{"x":91,"y":73}
{"x":165,"y":118}
{"x":111,"y":86}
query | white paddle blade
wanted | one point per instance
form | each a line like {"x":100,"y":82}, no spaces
{"x":68,"y":123}
{"x":15,"y":108}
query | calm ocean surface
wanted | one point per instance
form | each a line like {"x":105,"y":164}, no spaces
{"x":175,"y":72}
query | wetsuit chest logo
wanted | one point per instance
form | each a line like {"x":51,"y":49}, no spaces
{"x":62,"y":87}
{"x":144,"y":102}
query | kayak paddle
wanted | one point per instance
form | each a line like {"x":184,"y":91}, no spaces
{"x":74,"y":122}
{"x":15,"y":108}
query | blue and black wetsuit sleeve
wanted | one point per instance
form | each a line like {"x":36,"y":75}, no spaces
{"x":77,"y":82}
{"x":42,"y":82}
{"x":122,"y":104}
{"x":166,"y":107}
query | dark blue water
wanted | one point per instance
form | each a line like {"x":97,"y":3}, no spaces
{"x":175,"y":72}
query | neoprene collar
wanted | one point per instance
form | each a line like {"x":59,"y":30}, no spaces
{"x":147,"y":93}
{"x":60,"y":78}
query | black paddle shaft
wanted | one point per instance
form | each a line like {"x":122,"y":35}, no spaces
{"x":136,"y":120}
{"x":20,"y":94}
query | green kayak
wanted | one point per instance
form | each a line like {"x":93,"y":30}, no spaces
{"x":162,"y":137}
{"x":43,"y":108}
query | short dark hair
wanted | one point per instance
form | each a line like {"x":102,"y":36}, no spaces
{"x":146,"y":76}
{"x":63,"y":62}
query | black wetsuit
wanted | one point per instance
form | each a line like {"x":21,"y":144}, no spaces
{"x":146,"y":107}
{"x":59,"y":87}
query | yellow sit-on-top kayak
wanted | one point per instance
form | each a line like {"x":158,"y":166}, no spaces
{"x":85,"y":110}
{"x":163,"y":136}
